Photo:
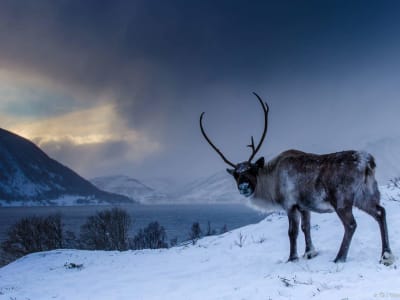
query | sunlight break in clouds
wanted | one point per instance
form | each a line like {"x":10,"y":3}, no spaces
{"x":96,"y":125}
{"x":83,"y":139}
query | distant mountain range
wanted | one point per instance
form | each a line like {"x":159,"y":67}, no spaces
{"x":131,"y":188}
{"x":218,"y":188}
{"x":387,"y":155}
{"x":29,"y":177}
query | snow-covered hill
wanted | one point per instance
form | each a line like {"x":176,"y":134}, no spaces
{"x":129,"y":187}
{"x":217,"y":188}
{"x":29,"y":177}
{"x":247,"y":263}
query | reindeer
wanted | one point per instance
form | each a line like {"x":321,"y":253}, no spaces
{"x":300,"y":183}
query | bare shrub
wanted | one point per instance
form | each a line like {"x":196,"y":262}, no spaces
{"x":151,"y":237}
{"x":195,"y":232}
{"x":33,"y":234}
{"x":106,"y":230}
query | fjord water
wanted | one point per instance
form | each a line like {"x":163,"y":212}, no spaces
{"x":176,"y":219}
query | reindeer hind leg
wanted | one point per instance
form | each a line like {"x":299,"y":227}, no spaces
{"x":306,"y":228}
{"x":349,"y":223}
{"x":379,"y":214}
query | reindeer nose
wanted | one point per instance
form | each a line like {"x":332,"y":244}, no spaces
{"x":244,"y":186}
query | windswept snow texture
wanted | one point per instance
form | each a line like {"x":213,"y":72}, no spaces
{"x":247,"y":263}
{"x":130,"y":187}
{"x":29,"y":177}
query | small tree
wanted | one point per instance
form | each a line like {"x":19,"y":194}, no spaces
{"x":106,"y":230}
{"x":151,"y":237}
{"x":223,"y":229}
{"x":173,"y":242}
{"x":138,"y":242}
{"x":210,"y":231}
{"x":33,"y":234}
{"x":195,"y":232}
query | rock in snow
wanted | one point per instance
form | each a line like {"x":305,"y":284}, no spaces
{"x":247,"y":263}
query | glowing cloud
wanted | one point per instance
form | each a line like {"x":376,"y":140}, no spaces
{"x":91,"y":127}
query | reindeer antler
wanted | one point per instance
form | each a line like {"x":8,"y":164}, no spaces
{"x":211,"y":144}
{"x":265,"y":108}
{"x":253,"y":148}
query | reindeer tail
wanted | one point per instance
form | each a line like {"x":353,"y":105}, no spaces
{"x":367,"y":194}
{"x":370,"y":168}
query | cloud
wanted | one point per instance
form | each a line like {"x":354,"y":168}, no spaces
{"x":90,"y":140}
{"x":148,"y":68}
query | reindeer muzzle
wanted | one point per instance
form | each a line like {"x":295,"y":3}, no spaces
{"x":245,"y":189}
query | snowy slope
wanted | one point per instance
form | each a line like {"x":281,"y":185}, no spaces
{"x":161,"y":184}
{"x":220,"y":267}
{"x":130,"y":187}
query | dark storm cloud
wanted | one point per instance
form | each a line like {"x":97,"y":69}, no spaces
{"x":166,"y":61}
{"x":139,"y":47}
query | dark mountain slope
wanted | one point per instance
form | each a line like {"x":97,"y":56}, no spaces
{"x":28,"y":174}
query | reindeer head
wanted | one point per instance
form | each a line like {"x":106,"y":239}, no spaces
{"x":245,"y":173}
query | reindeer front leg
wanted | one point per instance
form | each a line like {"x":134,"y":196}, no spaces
{"x":293,"y":215}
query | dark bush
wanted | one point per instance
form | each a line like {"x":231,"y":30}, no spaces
{"x":151,"y":237}
{"x":210,"y":231}
{"x":195,"y":232}
{"x":33,"y":234}
{"x":106,"y":230}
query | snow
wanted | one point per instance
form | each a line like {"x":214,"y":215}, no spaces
{"x":247,"y":263}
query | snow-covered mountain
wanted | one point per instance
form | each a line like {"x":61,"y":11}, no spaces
{"x":387,"y":154}
{"x":247,"y":263}
{"x":217,"y":188}
{"x":129,"y":187}
{"x":29,"y":177}
{"x":165,"y":185}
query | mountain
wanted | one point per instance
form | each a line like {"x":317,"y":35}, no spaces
{"x":217,"y":188}
{"x":129,"y":187}
{"x":166,"y":185}
{"x":247,"y":263}
{"x":387,"y":155}
{"x":29,"y":177}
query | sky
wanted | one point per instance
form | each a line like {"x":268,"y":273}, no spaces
{"x":117,"y":87}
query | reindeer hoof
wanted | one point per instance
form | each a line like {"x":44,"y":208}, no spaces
{"x":339,"y":260}
{"x":293,"y":258}
{"x":387,"y":258}
{"x":310,"y":254}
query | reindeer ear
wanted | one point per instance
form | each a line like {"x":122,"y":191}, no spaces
{"x":260,"y":162}
{"x":230,"y":171}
